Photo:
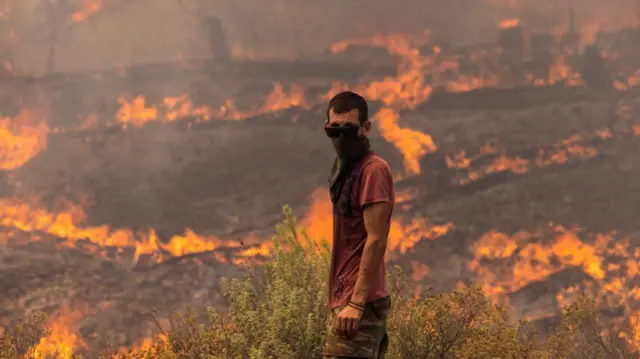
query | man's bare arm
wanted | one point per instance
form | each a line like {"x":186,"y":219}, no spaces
{"x":375,"y":216}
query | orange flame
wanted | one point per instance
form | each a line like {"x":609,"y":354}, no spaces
{"x":21,"y":138}
{"x":89,"y":8}
{"x":560,"y":71}
{"x":62,"y":341}
{"x":144,"y":345}
{"x":318,"y":219}
{"x":402,"y":237}
{"x":411,"y":143}
{"x":136,"y":112}
{"x":277,"y":100}
{"x":179,"y":107}
{"x":14,"y":214}
{"x":509,"y":23}
{"x":418,"y":74}
{"x":408,"y":88}
{"x":560,"y":154}
{"x":18,"y":215}
{"x":534,"y":260}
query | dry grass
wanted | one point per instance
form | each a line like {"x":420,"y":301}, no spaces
{"x":280,"y":312}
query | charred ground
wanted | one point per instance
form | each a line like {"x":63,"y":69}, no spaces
{"x":533,"y":156}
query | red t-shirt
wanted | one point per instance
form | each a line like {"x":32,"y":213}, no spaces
{"x":373,"y":184}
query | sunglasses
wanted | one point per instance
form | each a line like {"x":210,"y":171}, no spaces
{"x":347,"y":130}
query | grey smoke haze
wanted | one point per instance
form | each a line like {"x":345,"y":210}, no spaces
{"x":141,"y":31}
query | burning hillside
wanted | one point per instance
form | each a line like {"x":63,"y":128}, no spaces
{"x":139,"y":187}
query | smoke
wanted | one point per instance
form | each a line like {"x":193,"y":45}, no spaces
{"x":291,"y":28}
{"x":125,"y":32}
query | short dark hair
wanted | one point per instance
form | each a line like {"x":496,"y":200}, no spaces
{"x":347,"y":101}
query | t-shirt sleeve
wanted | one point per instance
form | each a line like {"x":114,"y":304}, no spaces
{"x":377,"y":184}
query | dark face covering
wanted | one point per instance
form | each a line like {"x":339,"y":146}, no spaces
{"x":347,"y":141}
{"x":350,"y":148}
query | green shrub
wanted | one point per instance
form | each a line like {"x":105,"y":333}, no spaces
{"x":451,"y":325}
{"x":279,"y":311}
{"x":582,"y":332}
{"x":19,"y":339}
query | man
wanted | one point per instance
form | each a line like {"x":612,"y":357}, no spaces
{"x":361,"y":188}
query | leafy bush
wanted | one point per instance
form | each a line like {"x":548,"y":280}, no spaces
{"x":20,"y":338}
{"x":279,"y":311}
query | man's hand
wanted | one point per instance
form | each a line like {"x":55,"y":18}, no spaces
{"x":348,"y":321}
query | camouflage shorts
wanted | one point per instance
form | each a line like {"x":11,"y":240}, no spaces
{"x":371,"y":339}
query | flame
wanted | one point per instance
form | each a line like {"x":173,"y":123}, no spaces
{"x":419,"y":73}
{"x":408,"y":88}
{"x":525,"y":257}
{"x":559,"y":71}
{"x":411,"y":143}
{"x":277,"y":100}
{"x":561,"y":153}
{"x":635,"y":325}
{"x":136,"y":112}
{"x":528,"y":256}
{"x":318,"y":219}
{"x":64,"y":224}
{"x":461,"y":160}
{"x":21,"y":138}
{"x":402,"y":237}
{"x":179,"y":107}
{"x":62,"y":342}
{"x":629,"y":82}
{"x":509,"y":23}
{"x":89,"y":8}
{"x":143,"y":346}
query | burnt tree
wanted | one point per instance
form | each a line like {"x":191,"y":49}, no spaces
{"x":595,"y":73}
{"x":201,"y":12}
{"x":511,"y":39}
{"x":217,"y":39}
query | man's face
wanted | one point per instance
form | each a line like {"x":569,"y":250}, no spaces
{"x":349,"y":119}
{"x":349,"y":138}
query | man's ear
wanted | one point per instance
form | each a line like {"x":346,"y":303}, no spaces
{"x":366,"y":126}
